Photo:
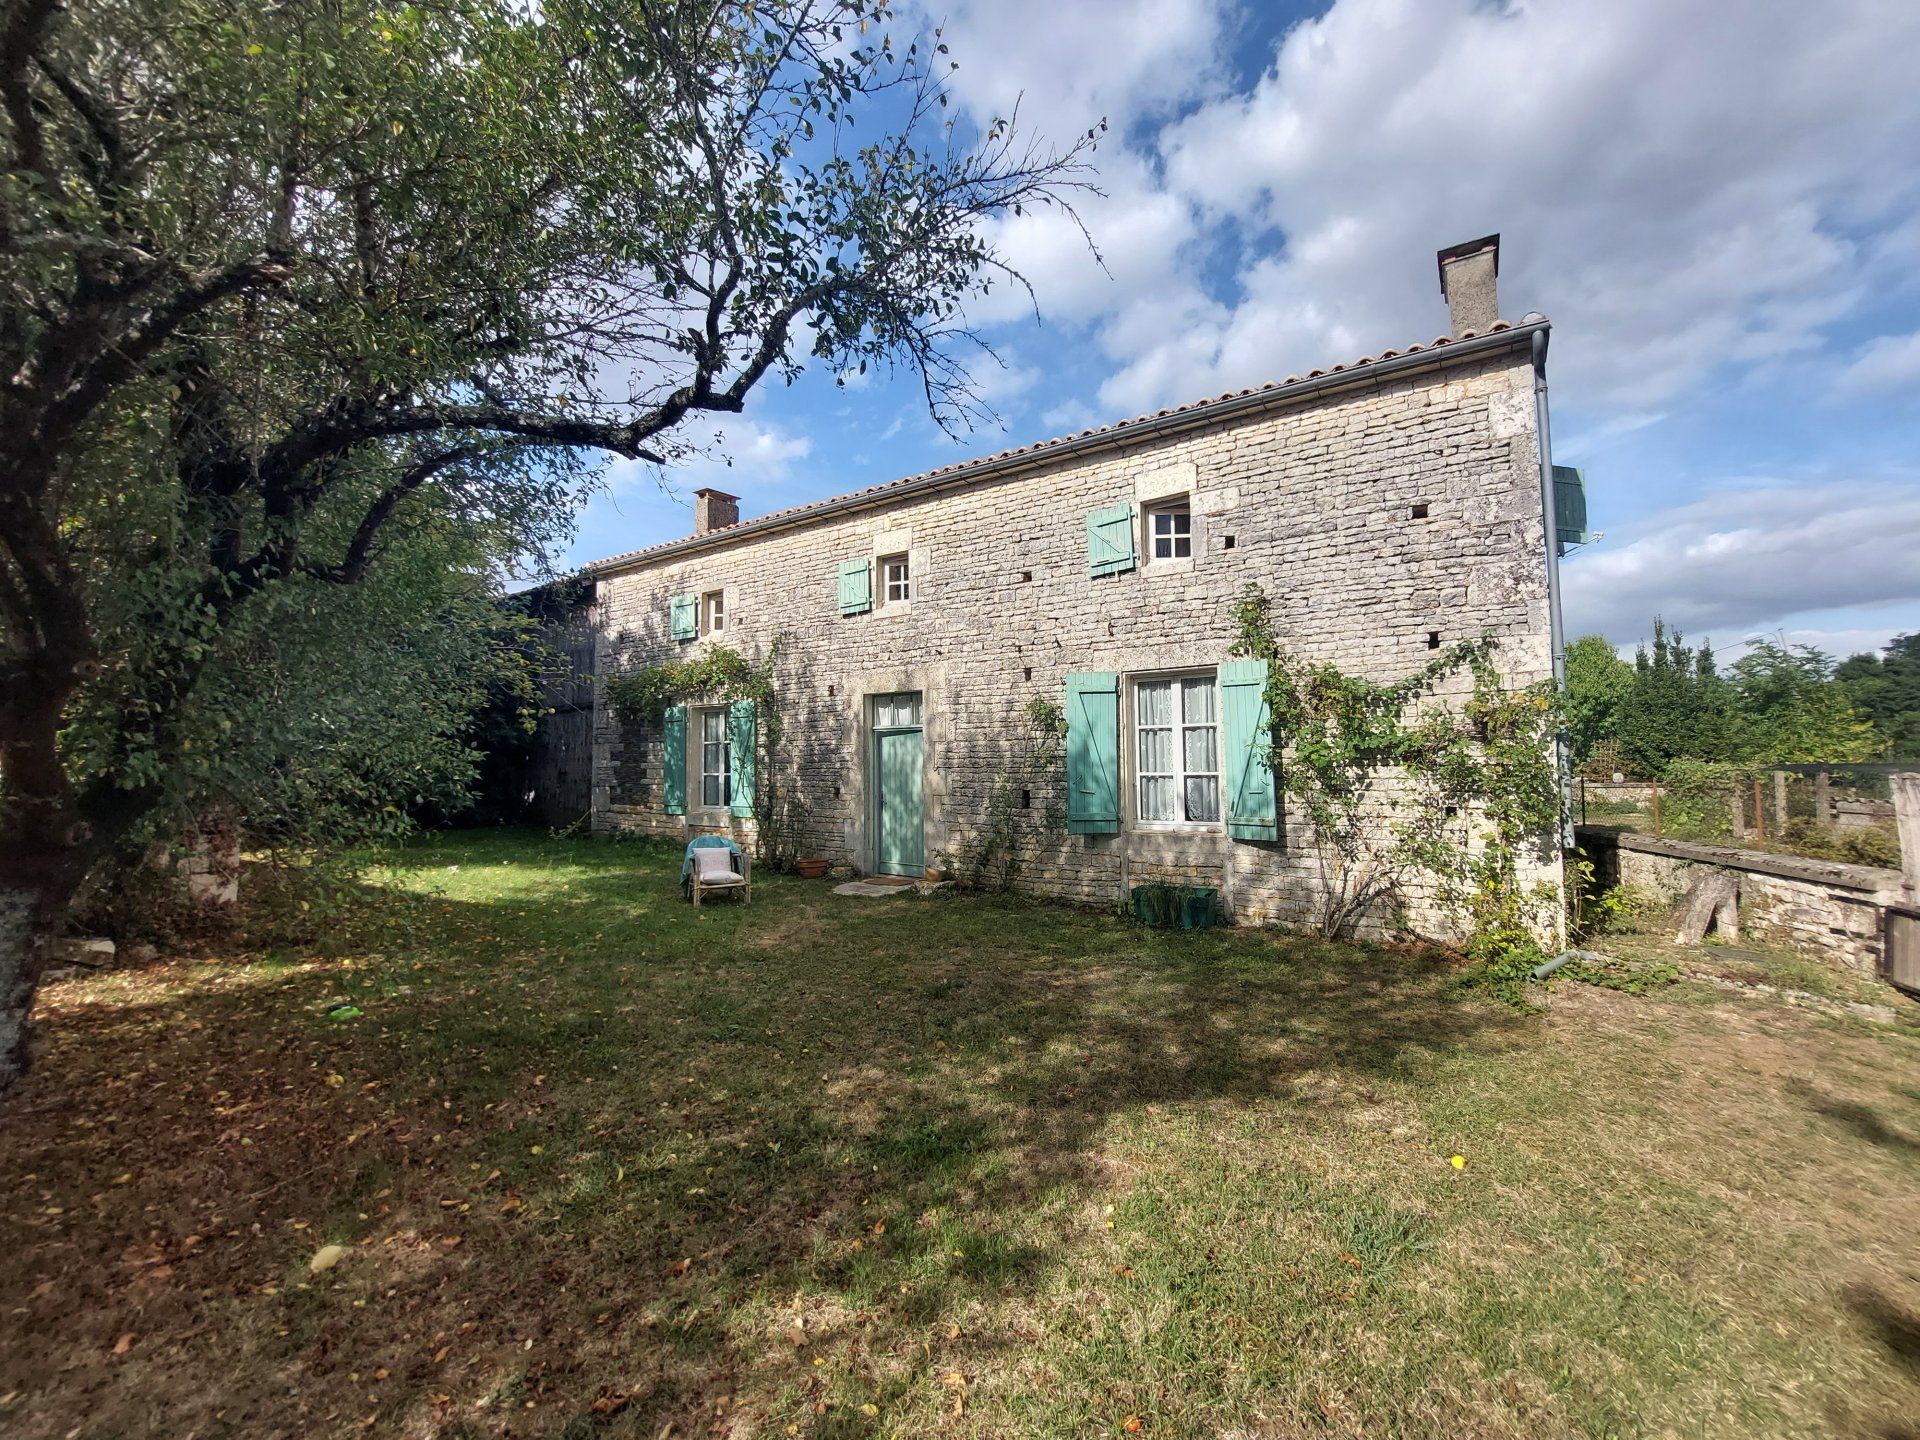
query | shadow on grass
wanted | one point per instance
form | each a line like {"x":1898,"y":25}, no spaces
{"x":637,"y":1166}
{"x":1895,"y":1327}
{"x":1862,"y":1120}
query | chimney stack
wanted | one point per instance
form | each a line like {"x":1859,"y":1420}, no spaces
{"x":714,"y":510}
{"x":1467,"y":278}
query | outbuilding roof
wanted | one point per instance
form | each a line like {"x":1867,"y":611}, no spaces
{"x":1461,"y":346}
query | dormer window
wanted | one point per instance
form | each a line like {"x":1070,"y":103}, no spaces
{"x":1170,"y":530}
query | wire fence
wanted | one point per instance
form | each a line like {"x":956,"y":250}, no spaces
{"x":1824,"y":812}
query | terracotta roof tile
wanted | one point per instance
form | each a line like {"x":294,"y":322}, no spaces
{"x":1035,"y":446}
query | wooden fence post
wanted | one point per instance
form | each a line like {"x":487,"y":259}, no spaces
{"x":1759,"y":815}
{"x":1779,"y":802}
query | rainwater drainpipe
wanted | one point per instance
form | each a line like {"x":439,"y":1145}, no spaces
{"x":1556,"y":632}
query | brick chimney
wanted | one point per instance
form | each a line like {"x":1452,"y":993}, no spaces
{"x":714,"y":510}
{"x":1467,"y":276}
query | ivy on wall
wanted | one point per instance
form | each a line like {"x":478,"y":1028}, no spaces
{"x":720,"y":676}
{"x":989,"y":857}
{"x":1477,"y":789}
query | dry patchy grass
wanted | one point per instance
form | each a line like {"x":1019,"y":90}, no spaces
{"x":921,"y":1166}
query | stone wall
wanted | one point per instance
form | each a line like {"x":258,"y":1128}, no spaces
{"x":1383,"y":520}
{"x":1825,"y":910}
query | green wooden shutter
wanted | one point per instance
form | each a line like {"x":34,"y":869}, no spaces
{"x":1110,"y":540}
{"x":1093,"y":754}
{"x":673,"y":759}
{"x":741,"y":728}
{"x":1251,"y":813}
{"x":1569,"y":506}
{"x":683,"y":612}
{"x":856,"y":587}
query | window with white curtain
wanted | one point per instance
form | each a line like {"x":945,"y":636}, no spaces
{"x":1176,"y":750}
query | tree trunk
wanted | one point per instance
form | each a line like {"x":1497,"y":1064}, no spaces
{"x":30,"y":921}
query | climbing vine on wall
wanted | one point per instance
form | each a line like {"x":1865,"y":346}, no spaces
{"x":719,"y":676}
{"x":989,"y":857}
{"x":1477,"y":789}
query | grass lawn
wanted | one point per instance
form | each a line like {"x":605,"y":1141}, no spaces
{"x":934,"y":1166}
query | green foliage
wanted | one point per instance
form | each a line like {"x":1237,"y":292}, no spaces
{"x":1598,"y":683}
{"x":1791,"y":711}
{"x":1631,"y":976}
{"x":1678,"y":706}
{"x":1886,"y":689}
{"x":1484,"y":792}
{"x":988,"y":858}
{"x":1778,"y":705}
{"x":719,"y":675}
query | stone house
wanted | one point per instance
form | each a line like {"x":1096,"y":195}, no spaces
{"x":1388,"y":506}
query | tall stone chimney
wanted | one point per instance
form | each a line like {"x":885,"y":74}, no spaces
{"x":714,"y":510}
{"x":1467,"y":278}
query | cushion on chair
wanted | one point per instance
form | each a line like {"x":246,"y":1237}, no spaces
{"x":715,"y":867}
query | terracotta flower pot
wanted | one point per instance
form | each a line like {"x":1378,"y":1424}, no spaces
{"x":810,"y":869}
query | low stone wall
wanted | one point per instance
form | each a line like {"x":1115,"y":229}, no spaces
{"x":1825,"y":910}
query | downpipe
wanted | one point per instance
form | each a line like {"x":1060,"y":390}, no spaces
{"x":1550,"y":529}
{"x":1565,"y":957}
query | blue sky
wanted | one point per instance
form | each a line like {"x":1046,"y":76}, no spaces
{"x":1718,"y":205}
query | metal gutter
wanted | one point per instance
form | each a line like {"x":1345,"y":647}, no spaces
{"x":1131,"y":432}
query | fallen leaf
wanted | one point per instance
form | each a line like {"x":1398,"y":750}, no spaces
{"x":326,"y":1257}
{"x":1131,"y":1424}
{"x":123,"y":1344}
{"x":1459,"y":1162}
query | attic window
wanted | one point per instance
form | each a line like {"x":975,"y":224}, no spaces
{"x":896,"y":579}
{"x":1170,"y":530}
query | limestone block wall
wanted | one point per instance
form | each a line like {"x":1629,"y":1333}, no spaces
{"x":1825,"y":910}
{"x":1383,"y":520}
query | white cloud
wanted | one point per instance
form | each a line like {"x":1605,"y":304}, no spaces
{"x":734,"y":453}
{"x":1071,"y":63}
{"x":1891,"y":362}
{"x":1753,"y":560}
{"x":1679,"y":183}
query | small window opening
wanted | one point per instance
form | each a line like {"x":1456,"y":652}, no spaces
{"x":1026,"y":799}
{"x":1026,"y":577}
{"x":1227,"y":543}
{"x":1419,"y":512}
{"x":829,"y":692}
{"x":896,"y":578}
{"x":1026,"y":672}
{"x":1433,"y":639}
{"x":713,"y":612}
{"x":1170,"y":530}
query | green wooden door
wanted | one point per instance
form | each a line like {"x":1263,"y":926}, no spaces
{"x":899,"y":812}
